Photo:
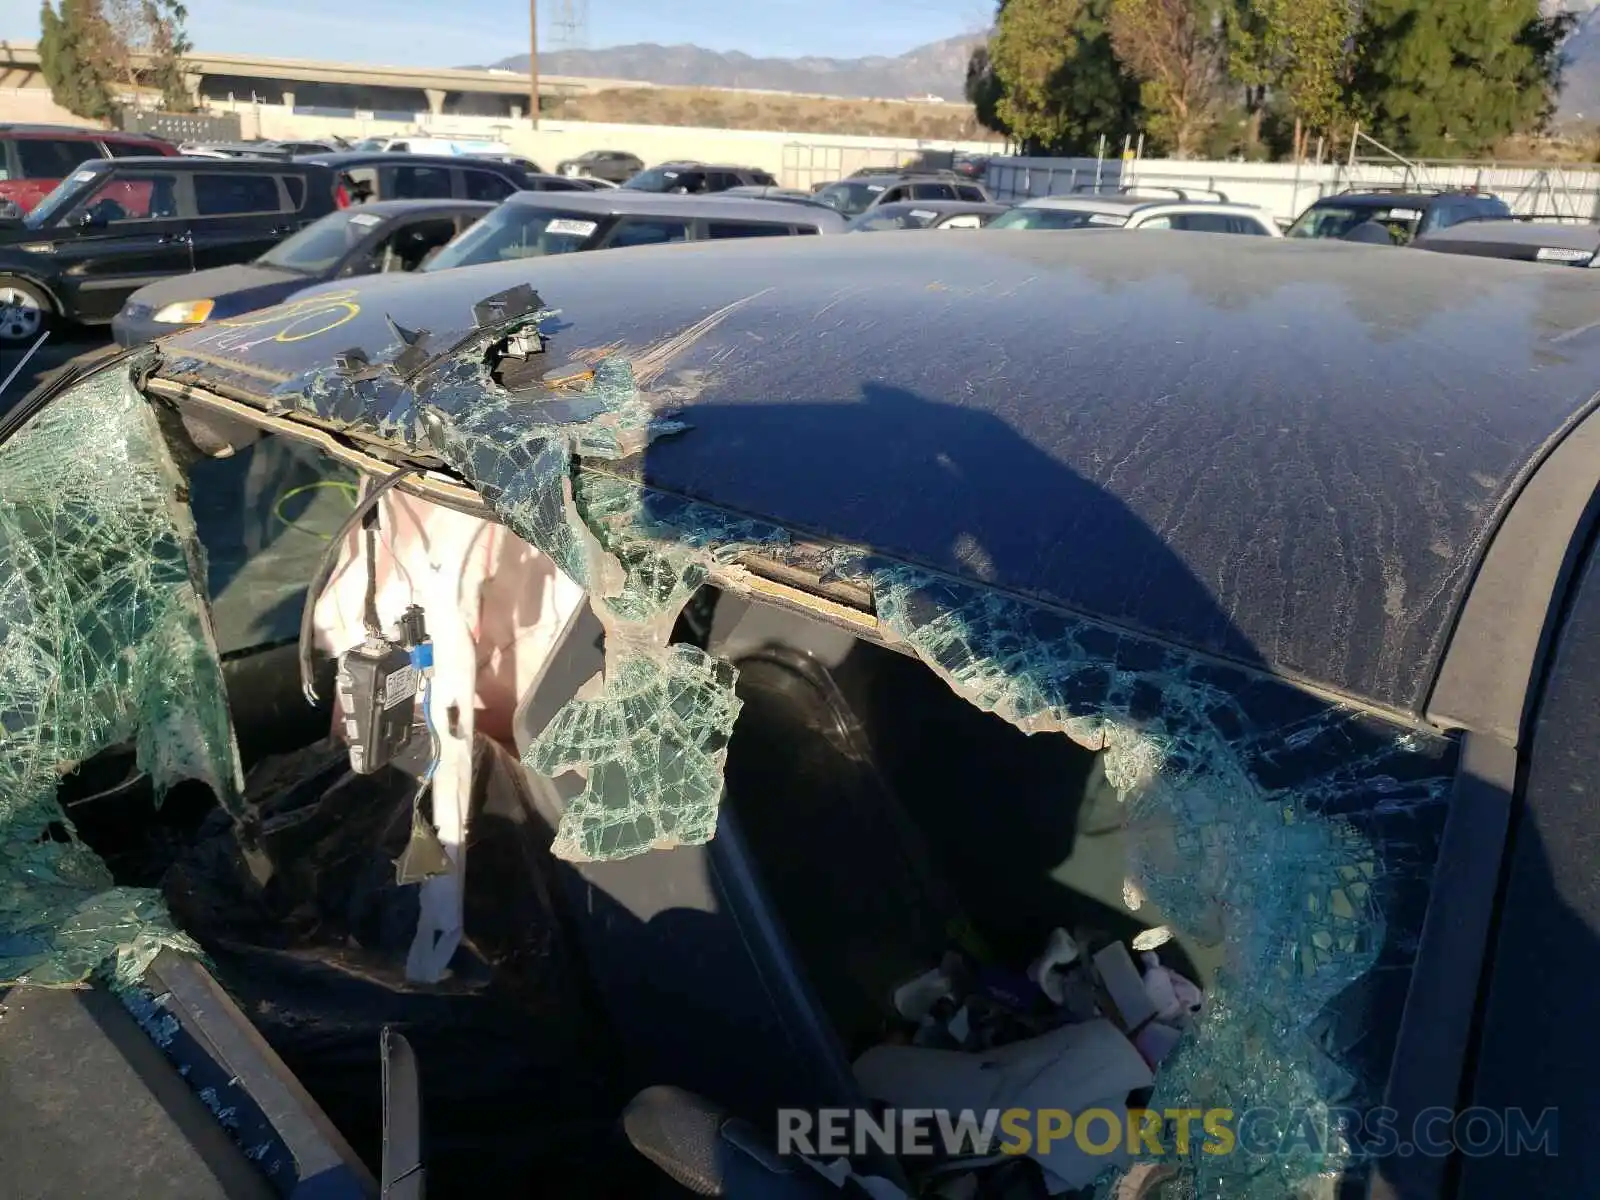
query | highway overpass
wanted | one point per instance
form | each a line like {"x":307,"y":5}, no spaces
{"x":313,"y":84}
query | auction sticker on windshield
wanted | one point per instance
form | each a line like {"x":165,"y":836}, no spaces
{"x":365,"y":219}
{"x":574,"y":228}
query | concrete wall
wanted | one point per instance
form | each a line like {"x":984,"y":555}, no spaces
{"x":798,"y":159}
{"x":1286,"y":189}
{"x":31,"y":105}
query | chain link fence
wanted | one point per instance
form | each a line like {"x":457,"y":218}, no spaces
{"x":1546,"y":191}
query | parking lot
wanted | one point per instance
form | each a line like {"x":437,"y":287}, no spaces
{"x":57,"y":352}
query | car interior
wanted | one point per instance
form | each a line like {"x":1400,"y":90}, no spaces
{"x":412,"y":245}
{"x":857,"y":842}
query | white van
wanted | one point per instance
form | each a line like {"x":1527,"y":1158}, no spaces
{"x":446,"y":145}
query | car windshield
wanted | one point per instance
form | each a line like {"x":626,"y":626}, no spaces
{"x":516,"y":231}
{"x":1400,"y":221}
{"x":850,"y":197}
{"x":667,"y":179}
{"x":893,"y":217}
{"x":1056,"y":218}
{"x":62,"y":197}
{"x":319,"y":246}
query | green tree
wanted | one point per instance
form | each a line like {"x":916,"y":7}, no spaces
{"x":1299,"y":52}
{"x":984,"y":91}
{"x":76,"y":57}
{"x":149,"y":43}
{"x":1451,"y":80}
{"x":1060,"y":84}
{"x":1175,"y":49}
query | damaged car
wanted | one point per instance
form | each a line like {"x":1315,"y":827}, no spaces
{"x":568,"y":739}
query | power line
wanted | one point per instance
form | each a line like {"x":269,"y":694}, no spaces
{"x":570,"y":29}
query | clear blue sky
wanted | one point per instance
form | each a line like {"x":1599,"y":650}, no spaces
{"x":430,"y":33}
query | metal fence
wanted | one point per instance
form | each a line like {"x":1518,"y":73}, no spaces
{"x":807,"y":164}
{"x":1570,"y":193}
{"x":183,"y":127}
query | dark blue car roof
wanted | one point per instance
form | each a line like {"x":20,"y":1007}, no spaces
{"x":1269,"y":451}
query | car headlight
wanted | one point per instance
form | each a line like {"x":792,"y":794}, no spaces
{"x":185,"y":312}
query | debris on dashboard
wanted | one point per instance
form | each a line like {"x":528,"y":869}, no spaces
{"x":987,"y":1039}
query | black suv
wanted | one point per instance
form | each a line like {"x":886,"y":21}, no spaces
{"x":698,"y":178}
{"x":1403,"y":215}
{"x":385,"y":175}
{"x":111,"y":227}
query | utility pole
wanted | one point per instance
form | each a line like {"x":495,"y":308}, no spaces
{"x":533,"y":62}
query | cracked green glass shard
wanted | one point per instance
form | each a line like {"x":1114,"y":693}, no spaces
{"x":103,"y":641}
{"x":1258,"y":819}
{"x":651,"y":746}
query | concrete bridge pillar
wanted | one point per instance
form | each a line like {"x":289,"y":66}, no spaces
{"x":288,"y":99}
{"x":435,"y":97}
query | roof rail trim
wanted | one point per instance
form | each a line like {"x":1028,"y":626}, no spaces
{"x":1488,"y":671}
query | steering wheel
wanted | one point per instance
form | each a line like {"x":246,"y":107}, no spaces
{"x":106,"y":210}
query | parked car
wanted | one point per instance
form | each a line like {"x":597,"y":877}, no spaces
{"x":258,"y":148}
{"x":1403,"y":214}
{"x":1561,"y":243}
{"x":374,"y":239}
{"x":35,"y":158}
{"x":758,"y":191}
{"x":445,"y":145}
{"x":367,"y":175}
{"x":615,"y":166}
{"x":1278,"y":619}
{"x":534,"y":225}
{"x":292,"y":148}
{"x":1138,"y":210}
{"x":112,"y":227}
{"x":926,"y":214}
{"x":697,"y":178}
{"x":515,"y":160}
{"x":856,"y":195}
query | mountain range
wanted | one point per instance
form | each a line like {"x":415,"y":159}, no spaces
{"x":936,"y":69}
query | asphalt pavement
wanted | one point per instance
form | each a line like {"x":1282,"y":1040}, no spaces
{"x":62,"y":347}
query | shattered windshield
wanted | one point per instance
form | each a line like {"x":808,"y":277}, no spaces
{"x":515,"y":231}
{"x":1281,"y":841}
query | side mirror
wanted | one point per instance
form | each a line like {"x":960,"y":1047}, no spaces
{"x":90,"y":218}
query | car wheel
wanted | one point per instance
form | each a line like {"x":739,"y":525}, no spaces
{"x":24,"y":312}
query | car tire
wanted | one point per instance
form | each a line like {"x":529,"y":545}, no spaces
{"x":25,"y":312}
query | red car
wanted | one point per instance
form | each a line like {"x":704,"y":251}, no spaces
{"x":34,"y":158}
